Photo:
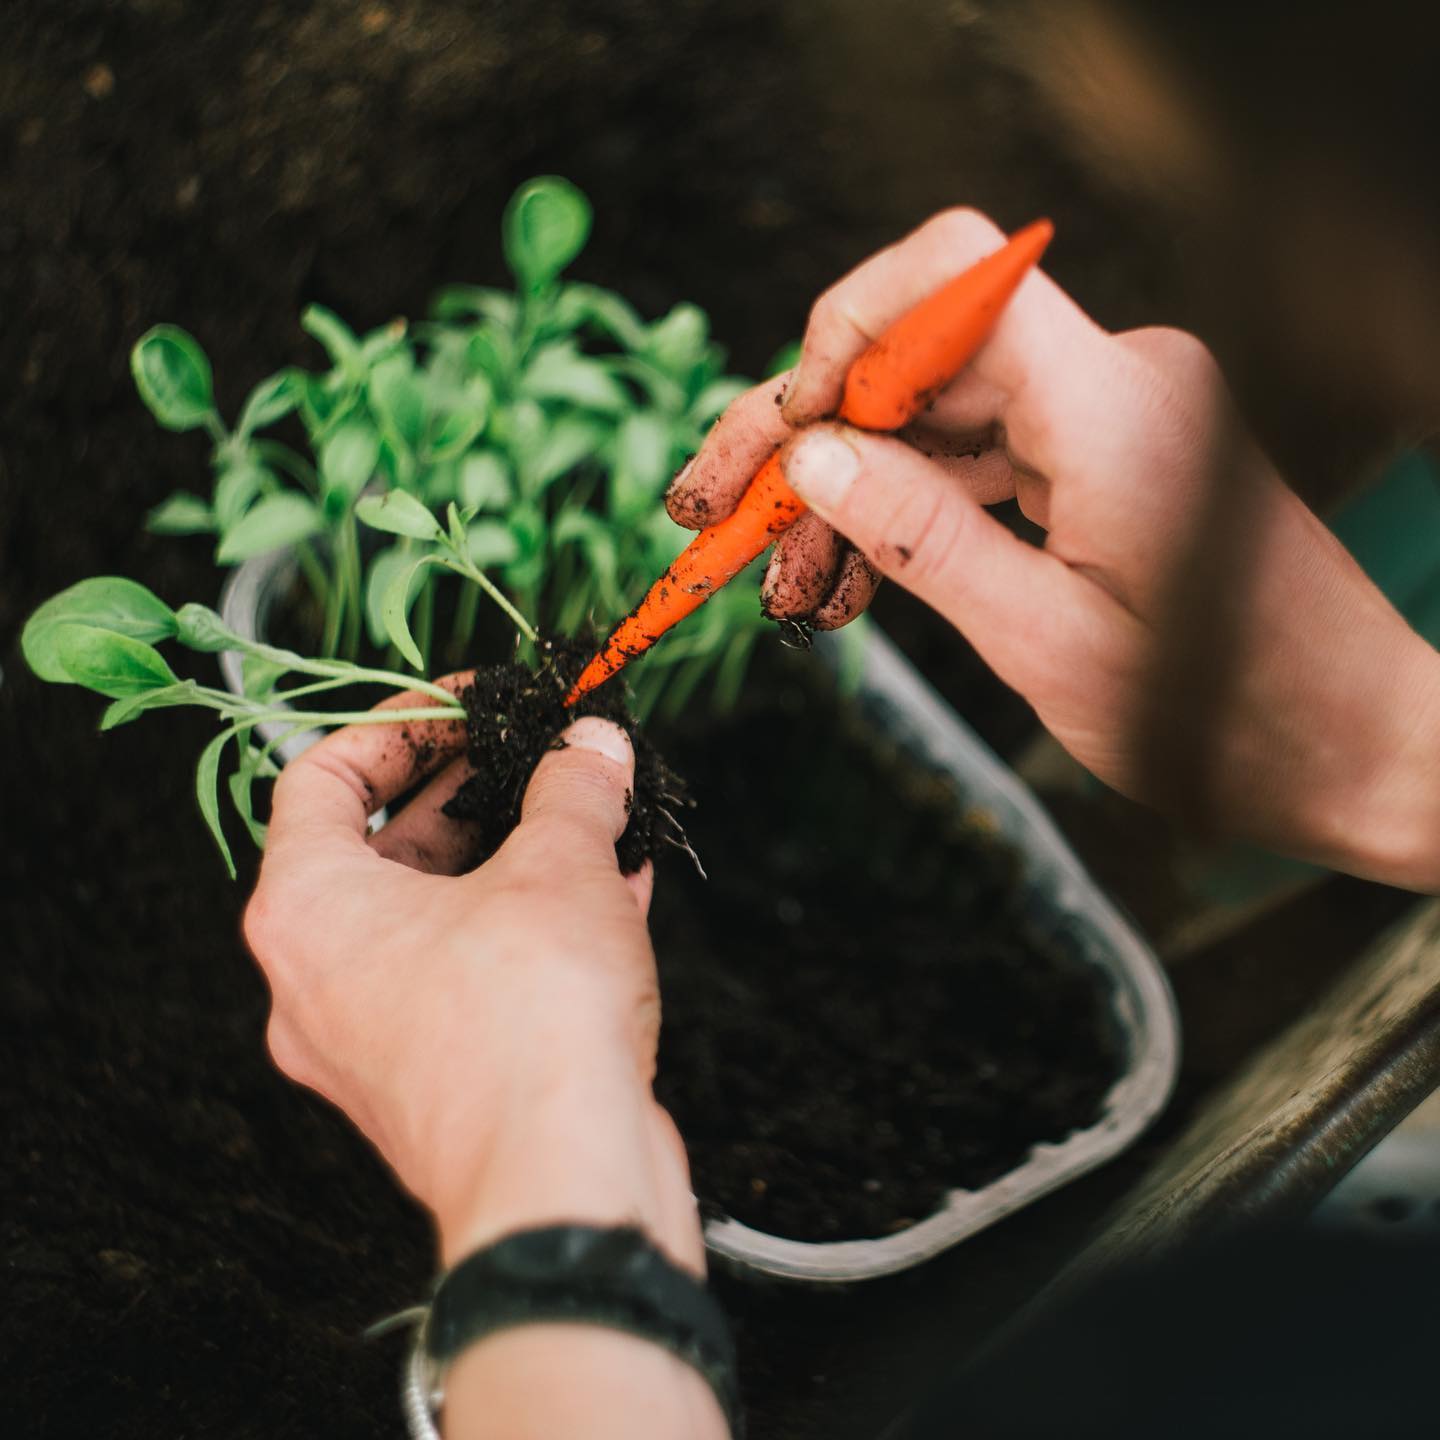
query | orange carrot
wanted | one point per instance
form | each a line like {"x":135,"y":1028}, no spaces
{"x":891,"y":383}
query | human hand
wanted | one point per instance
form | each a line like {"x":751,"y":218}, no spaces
{"x":1315,"y":727}
{"x":492,"y":1033}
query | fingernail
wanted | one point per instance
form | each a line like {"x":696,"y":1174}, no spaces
{"x":679,"y":477}
{"x":788,"y":394}
{"x":821,"y":467}
{"x":600,"y":737}
{"x":771,"y":580}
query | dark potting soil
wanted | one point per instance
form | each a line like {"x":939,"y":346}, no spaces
{"x":859,"y":1014}
{"x":517,"y":713}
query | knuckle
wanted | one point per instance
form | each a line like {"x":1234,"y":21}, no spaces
{"x":286,"y":1053}
{"x":961,"y":227}
{"x":257,"y":925}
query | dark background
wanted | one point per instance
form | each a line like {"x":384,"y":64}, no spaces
{"x":189,"y":1246}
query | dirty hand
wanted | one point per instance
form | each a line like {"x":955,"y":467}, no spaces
{"x":1325,"y":741}
{"x":493,"y":1033}
{"x":450,"y":1014}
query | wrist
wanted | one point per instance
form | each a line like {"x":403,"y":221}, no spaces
{"x":585,"y":1143}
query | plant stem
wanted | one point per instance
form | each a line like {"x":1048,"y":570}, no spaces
{"x":354,"y":587}
{"x":465,"y":568}
{"x":464,"y":626}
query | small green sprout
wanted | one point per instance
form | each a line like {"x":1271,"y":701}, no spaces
{"x":550,"y":416}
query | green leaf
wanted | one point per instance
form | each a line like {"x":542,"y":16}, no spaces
{"x":787,"y":357}
{"x":180,"y":514}
{"x":382,"y":342}
{"x":489,"y":542}
{"x":397,"y":399}
{"x":679,"y":341}
{"x":173,"y":378}
{"x":399,"y":513}
{"x":395,"y":612}
{"x":237,"y":486}
{"x":334,"y":334}
{"x":597,"y":544}
{"x":347,"y":462}
{"x":108,"y":602}
{"x":527,"y":524}
{"x":571,"y":440}
{"x":545,"y":227}
{"x":383,"y":569}
{"x":560,"y":372}
{"x":120,"y":712}
{"x":109,"y":662}
{"x":198,"y":627}
{"x":272,"y":523}
{"x":455,"y":528}
{"x":252,"y":759}
{"x":470,"y":302}
{"x":579,"y":305}
{"x":259,"y":675}
{"x":490,"y":351}
{"x":716,"y":398}
{"x":271,"y":400}
{"x":484,"y":482}
{"x":463,"y":418}
{"x":207,"y":792}
{"x":642,"y":462}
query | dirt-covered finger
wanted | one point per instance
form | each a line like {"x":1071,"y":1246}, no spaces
{"x":423,"y":837}
{"x":739,"y":443}
{"x":582,"y":791}
{"x":339,"y":783}
{"x":855,"y":585}
{"x":802,"y":569}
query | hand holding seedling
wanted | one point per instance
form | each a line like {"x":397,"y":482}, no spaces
{"x":1326,"y":738}
{"x":492,"y":1033}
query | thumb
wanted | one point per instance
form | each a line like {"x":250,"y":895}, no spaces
{"x":584,"y":785}
{"x":919,"y":525}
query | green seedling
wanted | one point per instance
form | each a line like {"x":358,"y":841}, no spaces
{"x":550,"y":416}
{"x":104,"y":633}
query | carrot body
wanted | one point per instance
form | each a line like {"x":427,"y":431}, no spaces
{"x":918,"y":355}
{"x":891,"y":383}
{"x":717,"y":554}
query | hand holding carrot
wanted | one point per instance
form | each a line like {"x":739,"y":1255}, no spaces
{"x":1325,"y":738}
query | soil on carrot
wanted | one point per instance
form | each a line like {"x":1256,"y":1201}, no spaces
{"x":516,"y":713}
{"x":859,"y":1014}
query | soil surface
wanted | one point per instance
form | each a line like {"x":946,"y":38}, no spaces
{"x":516,"y":714}
{"x":859,"y":1012}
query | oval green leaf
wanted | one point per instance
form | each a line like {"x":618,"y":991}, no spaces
{"x":347,"y":462}
{"x":271,"y":400}
{"x":395,"y":611}
{"x":399,"y":513}
{"x":110,"y":663}
{"x":173,"y":377}
{"x":546,"y":225}
{"x":107,"y":602}
{"x":272,"y":523}
{"x":180,"y":514}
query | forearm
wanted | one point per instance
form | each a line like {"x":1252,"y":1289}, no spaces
{"x":596,"y":1150}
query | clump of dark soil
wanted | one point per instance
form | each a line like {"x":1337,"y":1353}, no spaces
{"x":859,"y":1012}
{"x":516,"y":713}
